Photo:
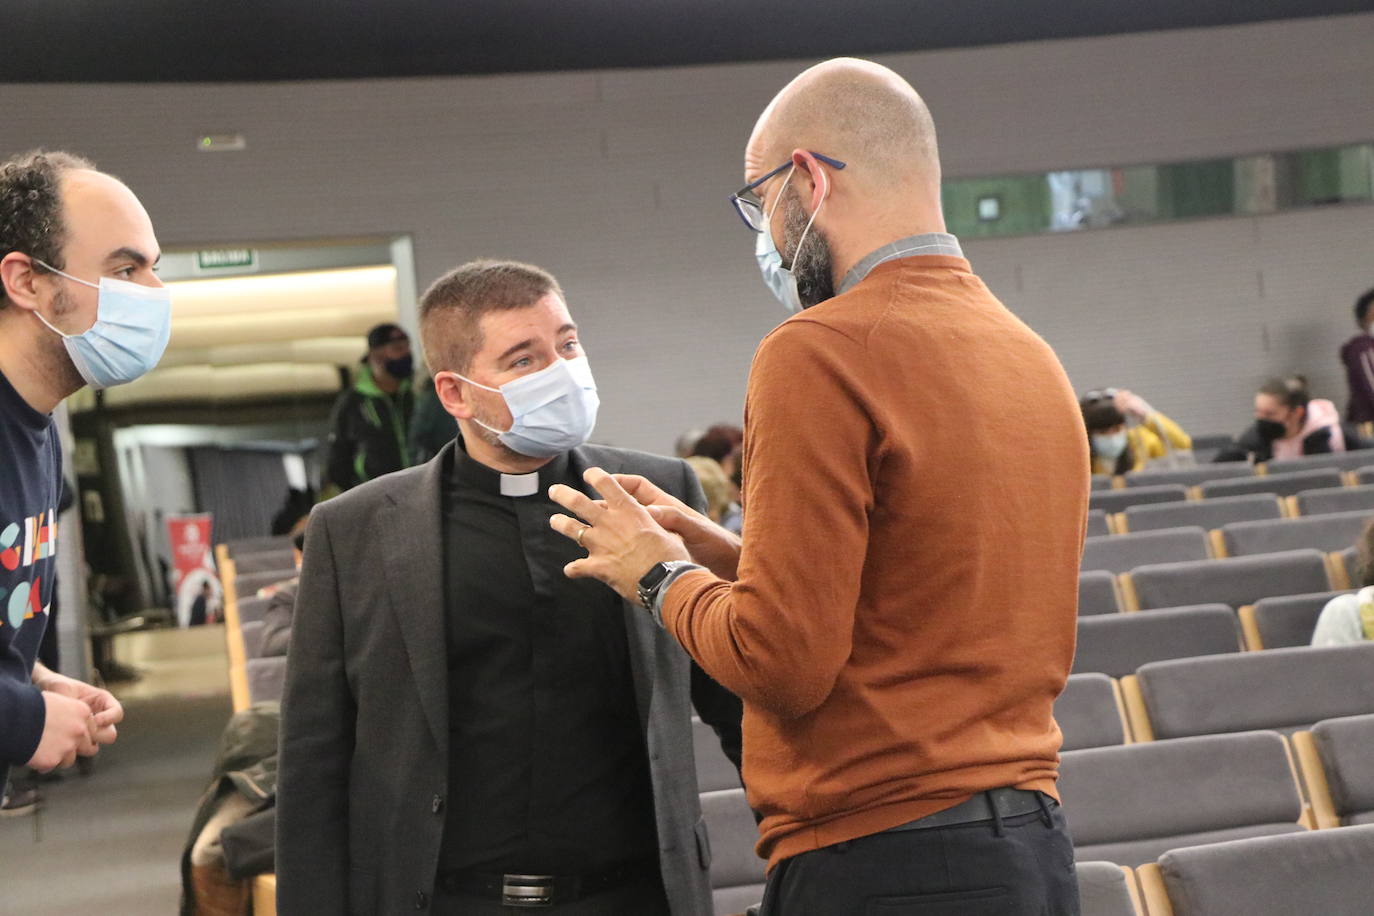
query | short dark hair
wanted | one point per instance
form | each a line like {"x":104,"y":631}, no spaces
{"x":31,"y":206}
{"x":451,"y":309}
{"x":1362,"y":306}
{"x":719,"y":442}
{"x":1291,"y":392}
{"x":1101,"y":415}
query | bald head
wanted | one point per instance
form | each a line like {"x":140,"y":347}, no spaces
{"x":853,"y":110}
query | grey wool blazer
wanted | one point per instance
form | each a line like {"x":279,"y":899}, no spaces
{"x":365,"y":720}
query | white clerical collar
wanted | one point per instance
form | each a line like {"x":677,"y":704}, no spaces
{"x":520,"y":484}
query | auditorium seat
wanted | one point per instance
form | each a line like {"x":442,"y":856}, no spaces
{"x":1118,"y":553}
{"x":1337,"y":762}
{"x":239,"y":546}
{"x":1283,"y":621}
{"x":1339,"y":461}
{"x":251,"y":609}
{"x":1089,"y":712}
{"x":714,"y":769}
{"x":1315,"y":873}
{"x":1118,"y":500}
{"x":266,"y":561}
{"x":1326,"y":533}
{"x":1208,"y":513}
{"x":1097,"y":593}
{"x":1234,"y":582}
{"x":1106,"y":889}
{"x":1118,"y":644}
{"x":737,"y":873}
{"x":246,"y":586}
{"x":1346,"y":563}
{"x":1188,"y":477}
{"x":1132,"y":804}
{"x":251,"y":631}
{"x":1278,"y":484}
{"x":1097,"y":523}
{"x":1364,"y":474}
{"x":266,"y":677}
{"x":1281,"y":689}
{"x":1337,"y":499}
{"x":1103,"y":482}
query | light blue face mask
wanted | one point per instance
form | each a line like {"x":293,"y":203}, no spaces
{"x":132,"y":325}
{"x":1110,"y":446}
{"x":552,"y":410}
{"x":780,"y":279}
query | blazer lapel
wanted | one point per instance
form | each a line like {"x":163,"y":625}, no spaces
{"x":412,"y":559}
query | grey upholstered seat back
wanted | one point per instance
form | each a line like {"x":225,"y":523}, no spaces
{"x":1282,"y":689}
{"x":1236,"y":582}
{"x":1118,"y":644}
{"x":1088,"y":714}
{"x":1205,"y":513}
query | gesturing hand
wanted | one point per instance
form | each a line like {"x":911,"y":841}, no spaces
{"x":105,"y":710}
{"x":708,"y":543}
{"x":621,"y":538}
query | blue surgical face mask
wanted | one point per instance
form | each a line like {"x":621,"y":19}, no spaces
{"x":780,"y":279}
{"x":552,"y":410}
{"x":1110,"y":446}
{"x":132,"y":325}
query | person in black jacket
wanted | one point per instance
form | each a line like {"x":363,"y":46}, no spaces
{"x":371,"y":420}
{"x":1290,"y":423}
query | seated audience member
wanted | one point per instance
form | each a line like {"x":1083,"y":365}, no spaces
{"x":1289,"y":423}
{"x":1125,"y":433}
{"x":686,"y":443}
{"x":714,"y":484}
{"x":1358,"y":356}
{"x":1349,"y":619}
{"x":281,"y":606}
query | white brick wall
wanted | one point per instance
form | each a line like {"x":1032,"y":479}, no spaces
{"x":617,"y":181}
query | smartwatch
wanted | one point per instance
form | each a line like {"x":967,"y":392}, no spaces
{"x":656,"y":578}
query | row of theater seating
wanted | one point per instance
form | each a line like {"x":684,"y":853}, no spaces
{"x":1131,"y":517}
{"x":1200,"y":472}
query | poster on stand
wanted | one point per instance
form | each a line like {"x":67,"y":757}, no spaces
{"x":199,"y":598}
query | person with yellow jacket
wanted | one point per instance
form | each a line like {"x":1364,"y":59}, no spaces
{"x":1118,"y":446}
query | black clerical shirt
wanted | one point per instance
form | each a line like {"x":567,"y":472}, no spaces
{"x":548,"y":771}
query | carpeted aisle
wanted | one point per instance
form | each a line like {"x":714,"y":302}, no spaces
{"x":110,"y":843}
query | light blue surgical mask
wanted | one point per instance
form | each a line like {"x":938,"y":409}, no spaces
{"x":1110,"y":446}
{"x":132,"y":325}
{"x":780,"y":279}
{"x":781,"y":282}
{"x":552,"y":410}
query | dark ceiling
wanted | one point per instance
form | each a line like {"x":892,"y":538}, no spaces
{"x":174,"y":40}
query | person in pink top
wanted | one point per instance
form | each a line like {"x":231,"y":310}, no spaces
{"x":1290,"y":423}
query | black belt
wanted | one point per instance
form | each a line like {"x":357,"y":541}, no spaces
{"x":992,"y":805}
{"x":542,"y":890}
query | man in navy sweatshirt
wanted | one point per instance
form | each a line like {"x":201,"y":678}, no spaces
{"x":79,"y":305}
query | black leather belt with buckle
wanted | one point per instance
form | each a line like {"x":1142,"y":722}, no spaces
{"x":1006,"y":801}
{"x":541,"y":890}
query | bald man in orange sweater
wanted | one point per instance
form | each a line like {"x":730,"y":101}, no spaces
{"x":900,"y":614}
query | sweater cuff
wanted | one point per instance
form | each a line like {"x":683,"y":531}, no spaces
{"x":675,"y":602}
{"x":22,"y":717}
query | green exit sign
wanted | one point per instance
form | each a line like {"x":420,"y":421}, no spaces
{"x":221,"y":258}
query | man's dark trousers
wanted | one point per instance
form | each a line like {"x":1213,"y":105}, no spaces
{"x":1020,"y":867}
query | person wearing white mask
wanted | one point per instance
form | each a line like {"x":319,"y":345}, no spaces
{"x":1125,"y":433}
{"x":80,"y":305}
{"x":465,"y":729}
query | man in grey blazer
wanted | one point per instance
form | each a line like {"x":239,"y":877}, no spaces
{"x":465,"y":730}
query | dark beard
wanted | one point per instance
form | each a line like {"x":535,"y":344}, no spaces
{"x":812,"y":265}
{"x":55,"y":358}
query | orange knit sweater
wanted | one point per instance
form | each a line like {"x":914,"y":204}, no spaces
{"x":916,"y":487}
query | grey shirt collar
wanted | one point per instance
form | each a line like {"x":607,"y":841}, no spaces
{"x":926,"y":243}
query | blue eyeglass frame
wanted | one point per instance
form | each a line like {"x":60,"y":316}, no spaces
{"x":739,"y":201}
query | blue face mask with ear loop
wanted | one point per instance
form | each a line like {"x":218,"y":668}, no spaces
{"x":780,"y":279}
{"x":132,"y":326}
{"x":552,"y":410}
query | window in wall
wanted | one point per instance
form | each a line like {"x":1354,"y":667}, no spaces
{"x":1075,"y":199}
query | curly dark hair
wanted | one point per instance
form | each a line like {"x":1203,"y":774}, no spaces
{"x":31,"y":205}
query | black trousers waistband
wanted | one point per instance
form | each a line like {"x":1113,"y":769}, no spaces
{"x":992,"y":805}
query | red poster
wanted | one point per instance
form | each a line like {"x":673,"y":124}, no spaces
{"x":198,"y":598}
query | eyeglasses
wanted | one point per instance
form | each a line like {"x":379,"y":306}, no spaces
{"x":749,"y":205}
{"x":1104,"y":394}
